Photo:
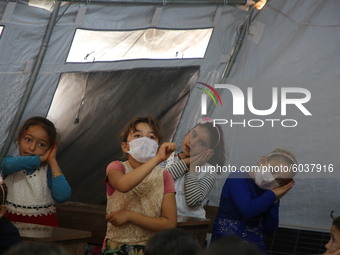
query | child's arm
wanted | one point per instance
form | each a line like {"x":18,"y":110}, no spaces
{"x":196,"y":190}
{"x":126,"y":182}
{"x":178,"y":169}
{"x":242,"y":197}
{"x":168,"y":218}
{"x":11,"y":165}
{"x":60,"y":189}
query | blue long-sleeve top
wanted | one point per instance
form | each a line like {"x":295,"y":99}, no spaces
{"x":60,"y":189}
{"x":246,"y":210}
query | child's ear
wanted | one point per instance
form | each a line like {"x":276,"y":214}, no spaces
{"x":3,"y":210}
{"x":125,"y":147}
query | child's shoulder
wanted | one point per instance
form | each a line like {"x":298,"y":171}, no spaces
{"x":115,"y":165}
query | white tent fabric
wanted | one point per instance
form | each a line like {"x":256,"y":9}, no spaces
{"x":290,"y":44}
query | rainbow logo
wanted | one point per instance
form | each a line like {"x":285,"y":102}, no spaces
{"x":214,"y":92}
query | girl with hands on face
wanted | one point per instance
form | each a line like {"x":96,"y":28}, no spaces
{"x":140,"y":194}
{"x":34,"y":179}
{"x":249,"y":203}
{"x":202,"y":145}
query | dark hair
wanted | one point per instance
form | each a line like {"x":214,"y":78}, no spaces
{"x":336,"y":223}
{"x":3,"y":193}
{"x":131,"y":127}
{"x":232,"y":245}
{"x":36,"y":249}
{"x":217,"y":143}
{"x":46,"y":124}
{"x":174,"y":241}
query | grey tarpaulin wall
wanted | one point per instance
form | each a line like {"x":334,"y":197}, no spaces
{"x":83,"y":161}
{"x":293,"y":44}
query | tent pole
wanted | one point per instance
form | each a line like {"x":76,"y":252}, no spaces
{"x":244,"y":29}
{"x":31,"y":81}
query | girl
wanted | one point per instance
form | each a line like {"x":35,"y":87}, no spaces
{"x":193,"y":182}
{"x":140,"y":195}
{"x":333,"y":245}
{"x":249,"y":204}
{"x":34,"y":179}
{"x":9,"y":234}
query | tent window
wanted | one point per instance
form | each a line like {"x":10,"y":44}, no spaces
{"x":152,"y":43}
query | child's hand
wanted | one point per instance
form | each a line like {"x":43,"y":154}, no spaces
{"x":283,"y":190}
{"x":199,"y":159}
{"x":118,"y":218}
{"x":53,"y":154}
{"x":49,"y":155}
{"x":165,"y":150}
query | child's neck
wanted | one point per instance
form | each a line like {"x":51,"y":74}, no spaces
{"x":133,"y":162}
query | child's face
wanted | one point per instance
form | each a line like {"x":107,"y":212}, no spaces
{"x":142,"y":130}
{"x":34,"y":142}
{"x":334,"y":243}
{"x":282,"y":177}
{"x":196,"y":141}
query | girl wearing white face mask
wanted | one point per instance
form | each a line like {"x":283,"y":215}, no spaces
{"x":140,"y":195}
{"x":249,"y":203}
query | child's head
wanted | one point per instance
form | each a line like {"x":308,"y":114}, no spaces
{"x":202,"y":137}
{"x":231,"y":245}
{"x":333,"y":244}
{"x":36,"y":136}
{"x":141,"y":128}
{"x":174,"y":241}
{"x":3,"y":196}
{"x":276,"y":169}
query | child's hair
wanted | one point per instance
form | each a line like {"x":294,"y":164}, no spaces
{"x":131,"y":127}
{"x":281,"y":154}
{"x":232,"y":245}
{"x":173,"y":241}
{"x":46,"y":124}
{"x":36,"y":249}
{"x":217,"y":143}
{"x":3,"y":193}
{"x":336,"y":222}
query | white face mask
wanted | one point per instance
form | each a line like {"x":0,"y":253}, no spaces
{"x":265,"y":180}
{"x":143,"y":149}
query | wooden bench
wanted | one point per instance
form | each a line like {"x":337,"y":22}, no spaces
{"x":83,"y":216}
{"x":91,"y":218}
{"x":74,"y":241}
{"x":195,"y":226}
{"x":210,"y":213}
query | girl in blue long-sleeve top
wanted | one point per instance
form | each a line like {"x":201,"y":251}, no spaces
{"x":249,"y":204}
{"x":34,"y":179}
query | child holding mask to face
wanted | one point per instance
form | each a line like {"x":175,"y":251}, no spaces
{"x":140,"y":194}
{"x":249,"y":204}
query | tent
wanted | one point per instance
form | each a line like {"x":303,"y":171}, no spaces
{"x":92,"y":65}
